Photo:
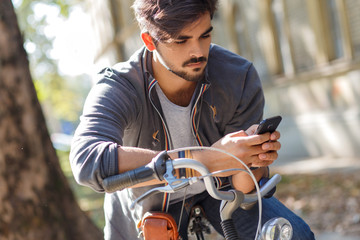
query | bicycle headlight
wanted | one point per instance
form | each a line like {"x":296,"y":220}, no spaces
{"x":277,"y":229}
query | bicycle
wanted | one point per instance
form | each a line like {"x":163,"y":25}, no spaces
{"x":162,"y":167}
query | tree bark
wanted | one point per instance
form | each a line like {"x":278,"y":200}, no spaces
{"x":36,"y":201}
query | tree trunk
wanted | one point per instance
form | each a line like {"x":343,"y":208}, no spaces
{"x":36,"y":201}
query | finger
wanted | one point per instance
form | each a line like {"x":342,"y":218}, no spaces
{"x":271,"y":146}
{"x":252,"y":151}
{"x":268,"y":156}
{"x":258,"y":139}
{"x":275,"y":136}
{"x":261,"y":163}
{"x":263,"y":159}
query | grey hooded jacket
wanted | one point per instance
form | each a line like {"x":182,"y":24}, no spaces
{"x":123,"y":109}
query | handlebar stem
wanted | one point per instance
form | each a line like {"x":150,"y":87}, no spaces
{"x":227,"y":208}
{"x":209,"y":182}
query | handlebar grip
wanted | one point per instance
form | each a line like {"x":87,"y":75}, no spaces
{"x":127,"y":179}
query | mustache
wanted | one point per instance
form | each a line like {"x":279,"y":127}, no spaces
{"x":195,"y":60}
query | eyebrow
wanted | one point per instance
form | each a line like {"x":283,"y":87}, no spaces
{"x":184,"y":37}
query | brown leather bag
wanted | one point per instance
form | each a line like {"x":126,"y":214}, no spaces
{"x":158,"y":226}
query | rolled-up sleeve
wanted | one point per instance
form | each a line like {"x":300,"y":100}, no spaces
{"x":106,"y":114}
{"x":92,"y":161}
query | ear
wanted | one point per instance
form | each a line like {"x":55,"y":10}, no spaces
{"x":148,"y":41}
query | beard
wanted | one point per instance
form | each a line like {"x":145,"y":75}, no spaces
{"x":199,"y":73}
{"x":196,"y":75}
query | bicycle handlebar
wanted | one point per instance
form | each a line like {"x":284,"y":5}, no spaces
{"x":154,"y":170}
{"x":128,"y":179}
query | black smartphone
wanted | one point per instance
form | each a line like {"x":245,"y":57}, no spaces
{"x":268,"y":125}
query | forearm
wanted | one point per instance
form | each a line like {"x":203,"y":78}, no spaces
{"x":130,"y":158}
{"x":243,"y":182}
{"x":215,"y":161}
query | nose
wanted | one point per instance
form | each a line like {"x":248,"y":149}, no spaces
{"x":196,"y":50}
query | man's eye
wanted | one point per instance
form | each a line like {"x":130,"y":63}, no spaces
{"x":205,"y":36}
{"x":180,"y":42}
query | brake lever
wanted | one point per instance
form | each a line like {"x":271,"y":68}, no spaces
{"x":173,"y":184}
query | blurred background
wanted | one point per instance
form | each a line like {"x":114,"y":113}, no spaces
{"x":307,"y":53}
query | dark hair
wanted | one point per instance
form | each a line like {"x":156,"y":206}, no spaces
{"x":164,"y":19}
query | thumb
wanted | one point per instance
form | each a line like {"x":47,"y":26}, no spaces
{"x":240,"y":133}
{"x":251,"y":130}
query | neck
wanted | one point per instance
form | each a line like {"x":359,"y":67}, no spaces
{"x":176,"y":89}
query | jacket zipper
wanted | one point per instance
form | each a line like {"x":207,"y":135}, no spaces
{"x":167,"y":140}
{"x":193,"y":112}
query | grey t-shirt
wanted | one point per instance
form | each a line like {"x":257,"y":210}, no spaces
{"x":179,"y":125}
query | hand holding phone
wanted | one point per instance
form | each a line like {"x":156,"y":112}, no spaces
{"x":268,"y":125}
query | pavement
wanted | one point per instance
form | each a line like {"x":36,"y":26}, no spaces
{"x":316,"y":166}
{"x":335,"y":236}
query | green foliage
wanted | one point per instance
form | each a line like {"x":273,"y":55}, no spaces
{"x":33,"y":27}
{"x":61,"y":96}
{"x":64,"y":97}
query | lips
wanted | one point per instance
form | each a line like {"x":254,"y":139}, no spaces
{"x":195,"y":65}
{"x":195,"y":62}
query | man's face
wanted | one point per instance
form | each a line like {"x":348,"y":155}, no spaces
{"x":187,"y":55}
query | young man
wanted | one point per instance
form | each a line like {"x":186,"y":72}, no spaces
{"x":177,"y":91}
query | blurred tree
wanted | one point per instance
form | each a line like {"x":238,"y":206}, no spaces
{"x":35,"y":199}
